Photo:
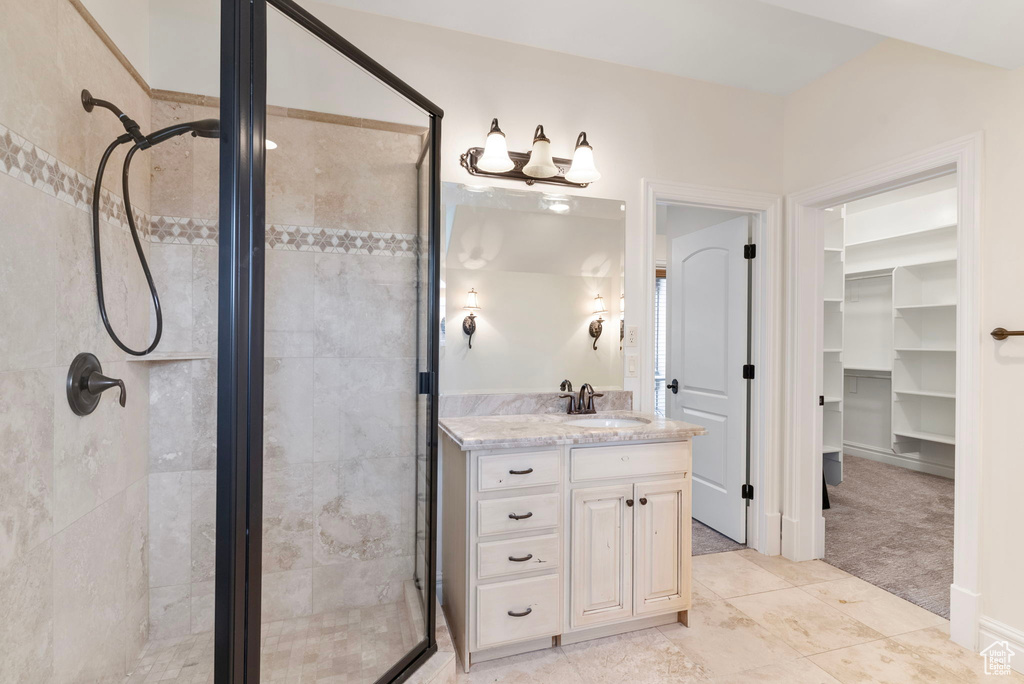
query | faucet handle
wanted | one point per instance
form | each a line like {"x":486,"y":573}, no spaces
{"x":572,"y":402}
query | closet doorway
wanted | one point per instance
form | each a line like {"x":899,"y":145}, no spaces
{"x":702,"y":300}
{"x":888,"y":370}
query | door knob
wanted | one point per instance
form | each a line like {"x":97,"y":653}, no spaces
{"x":674,"y":386}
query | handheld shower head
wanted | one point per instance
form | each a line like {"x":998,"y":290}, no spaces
{"x":206,"y":128}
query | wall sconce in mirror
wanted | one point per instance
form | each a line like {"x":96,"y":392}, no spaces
{"x":622,"y":319}
{"x":597,"y":325}
{"x":469,"y":322}
{"x":536,"y":166}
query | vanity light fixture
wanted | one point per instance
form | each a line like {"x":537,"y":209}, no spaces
{"x":583,"y":170}
{"x":597,"y":325}
{"x":541,"y":165}
{"x":537,"y":166}
{"x":495,"y":157}
{"x":469,"y":322}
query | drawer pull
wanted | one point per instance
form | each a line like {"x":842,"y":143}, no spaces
{"x":521,"y":472}
{"x":521,"y":560}
{"x":526,"y":612}
{"x":521,"y":517}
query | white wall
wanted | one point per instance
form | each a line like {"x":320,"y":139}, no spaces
{"x":127,"y":23}
{"x":898,"y":99}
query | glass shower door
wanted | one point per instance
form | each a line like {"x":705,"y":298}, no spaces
{"x":348,"y":420}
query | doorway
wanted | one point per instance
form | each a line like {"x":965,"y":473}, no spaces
{"x":755,"y":520}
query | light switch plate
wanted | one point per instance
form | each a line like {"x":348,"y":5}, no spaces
{"x":632,"y":361}
{"x":632,"y":335}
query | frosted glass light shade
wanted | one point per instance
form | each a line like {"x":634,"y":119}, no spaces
{"x":599,"y":307}
{"x":495,"y":158}
{"x":541,"y":165}
{"x":471,"y":301}
{"x":582,"y":169}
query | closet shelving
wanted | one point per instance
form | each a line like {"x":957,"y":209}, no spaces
{"x":832,"y":426}
{"x":896,"y":323}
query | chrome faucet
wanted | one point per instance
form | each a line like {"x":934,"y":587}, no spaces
{"x":582,"y":404}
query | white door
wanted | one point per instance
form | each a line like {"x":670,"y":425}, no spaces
{"x":660,"y":578}
{"x":602,"y":554}
{"x":707,"y":312}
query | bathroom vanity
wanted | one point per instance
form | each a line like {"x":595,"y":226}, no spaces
{"x":561,"y":528}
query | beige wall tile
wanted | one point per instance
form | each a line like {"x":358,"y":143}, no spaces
{"x":29,"y":99}
{"x":89,"y":578}
{"x":204,"y":298}
{"x":172,"y":273}
{"x":881,"y":662}
{"x":170,"y":611}
{"x":728,"y":575}
{"x":291,"y":171}
{"x":170,"y":529}
{"x":204,"y":414}
{"x":26,"y":462}
{"x":287,"y":594}
{"x":876,"y":608}
{"x":172,"y":163}
{"x":89,"y":459}
{"x":170,"y":430}
{"x":204,"y":525}
{"x":804,"y":622}
{"x":205,"y":170}
{"x":289,"y":292}
{"x":28,"y":274}
{"x":136,"y":631}
{"x":135,"y":421}
{"x":287,"y":412}
{"x":26,"y":616}
{"x":288,"y":518}
{"x":351,"y":583}
{"x":137,"y":543}
{"x":202,"y":607}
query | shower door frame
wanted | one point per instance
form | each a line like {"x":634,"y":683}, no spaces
{"x":243,"y":105}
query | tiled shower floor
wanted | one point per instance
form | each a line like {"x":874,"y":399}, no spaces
{"x":356,"y":645}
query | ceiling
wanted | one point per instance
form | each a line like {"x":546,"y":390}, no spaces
{"x":771,"y":46}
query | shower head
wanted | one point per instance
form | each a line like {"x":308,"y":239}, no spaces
{"x":89,"y":102}
{"x":204,"y":128}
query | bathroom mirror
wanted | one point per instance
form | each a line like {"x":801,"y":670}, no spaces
{"x":536,"y":263}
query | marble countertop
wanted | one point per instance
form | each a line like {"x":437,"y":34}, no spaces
{"x":545,"y":429}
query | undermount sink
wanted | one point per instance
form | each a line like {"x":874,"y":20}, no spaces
{"x":608,"y":422}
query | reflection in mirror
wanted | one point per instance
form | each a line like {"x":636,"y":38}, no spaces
{"x":528,"y":274}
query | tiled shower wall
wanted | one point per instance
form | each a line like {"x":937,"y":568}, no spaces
{"x":73,"y":491}
{"x":340,"y":363}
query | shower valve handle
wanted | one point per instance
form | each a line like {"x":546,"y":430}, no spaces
{"x":97,"y":383}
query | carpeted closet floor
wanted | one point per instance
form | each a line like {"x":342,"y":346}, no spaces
{"x":893,"y":527}
{"x":706,"y":540}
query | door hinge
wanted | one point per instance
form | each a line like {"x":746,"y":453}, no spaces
{"x":748,"y":371}
{"x":426,"y":383}
{"x":749,"y":251}
{"x":747,"y":491}
{"x":821,"y":400}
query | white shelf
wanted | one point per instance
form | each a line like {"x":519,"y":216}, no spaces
{"x":834,"y":249}
{"x":833,"y":300}
{"x":832,"y":400}
{"x":927,"y":393}
{"x":951,"y":305}
{"x":900,"y":236}
{"x":922,"y":349}
{"x":928,"y":436}
{"x":867,"y":369}
{"x":833,"y":351}
{"x":826,"y":449}
{"x":169,"y":356}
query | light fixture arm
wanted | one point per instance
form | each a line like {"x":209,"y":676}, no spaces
{"x":469,"y":327}
{"x":596,"y":328}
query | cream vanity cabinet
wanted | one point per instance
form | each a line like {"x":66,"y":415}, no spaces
{"x":563,"y":543}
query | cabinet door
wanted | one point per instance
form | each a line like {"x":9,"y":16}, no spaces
{"x":602,"y":550}
{"x":661,"y":558}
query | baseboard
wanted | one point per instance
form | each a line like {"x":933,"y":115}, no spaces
{"x":991,"y":631}
{"x":964,"y":614}
{"x":772,"y":536}
{"x":439,"y":588}
{"x":887,"y":456}
{"x":791,"y":547}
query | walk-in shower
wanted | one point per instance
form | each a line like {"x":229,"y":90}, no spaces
{"x":206,"y":128}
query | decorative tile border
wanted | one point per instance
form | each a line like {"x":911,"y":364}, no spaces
{"x":21,"y":159}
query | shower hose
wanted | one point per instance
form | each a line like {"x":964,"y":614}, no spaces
{"x":97,"y":254}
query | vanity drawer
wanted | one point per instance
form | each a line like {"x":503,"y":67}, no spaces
{"x":602,"y":463}
{"x":517,"y":514}
{"x":494,"y":559}
{"x":537,"y":597}
{"x":528,"y":469}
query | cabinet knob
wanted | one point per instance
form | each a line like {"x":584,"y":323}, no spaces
{"x":521,"y":517}
{"x":643,"y":500}
{"x":521,"y":472}
{"x":629,"y":502}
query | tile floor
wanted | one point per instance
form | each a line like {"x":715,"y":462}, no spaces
{"x":754,"y":619}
